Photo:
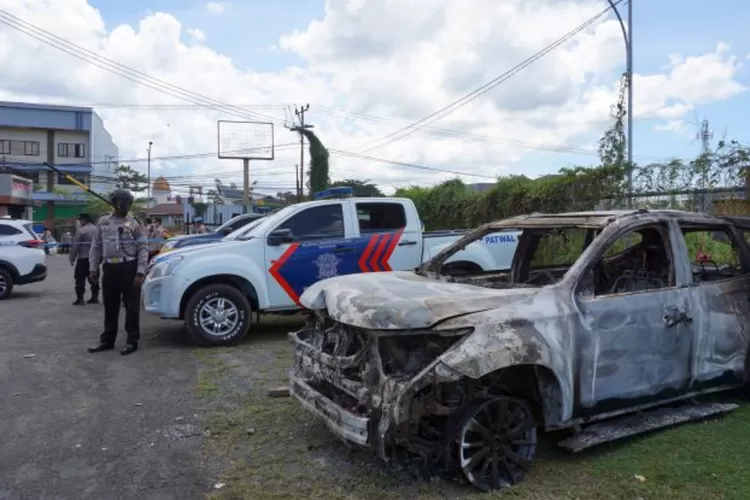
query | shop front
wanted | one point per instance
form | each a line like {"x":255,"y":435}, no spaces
{"x":16,"y":196}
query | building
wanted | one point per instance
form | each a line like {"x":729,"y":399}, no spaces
{"x":73,"y":139}
{"x":161,"y":192}
{"x":15,"y":196}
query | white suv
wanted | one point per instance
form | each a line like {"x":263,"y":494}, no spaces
{"x":22,"y":258}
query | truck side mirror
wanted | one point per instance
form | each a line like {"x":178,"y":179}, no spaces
{"x":279,"y":237}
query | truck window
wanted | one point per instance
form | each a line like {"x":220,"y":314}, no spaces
{"x":326,"y":221}
{"x":380,"y":217}
{"x":559,"y":247}
{"x":714,"y":253}
{"x":637,"y":261}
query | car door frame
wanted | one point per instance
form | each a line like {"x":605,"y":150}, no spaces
{"x":587,"y":402}
{"x":282,"y":294}
{"x":709,"y":331}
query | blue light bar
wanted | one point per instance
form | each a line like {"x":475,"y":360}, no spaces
{"x":336,"y":192}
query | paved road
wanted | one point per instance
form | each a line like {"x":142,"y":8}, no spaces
{"x":93,"y":426}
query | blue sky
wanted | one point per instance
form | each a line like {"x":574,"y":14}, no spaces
{"x":661,"y":27}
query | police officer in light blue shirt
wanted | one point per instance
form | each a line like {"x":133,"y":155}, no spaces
{"x":121,"y":246}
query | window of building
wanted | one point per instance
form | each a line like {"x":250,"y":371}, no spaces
{"x":714,"y":253}
{"x":66,"y":150}
{"x":20,"y":148}
{"x":82,"y":178}
{"x":321,"y":222}
{"x":378,"y":217}
{"x":31,"y":148}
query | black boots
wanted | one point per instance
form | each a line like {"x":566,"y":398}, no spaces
{"x":129,"y":349}
{"x":93,"y":300}
{"x":79,"y":302}
{"x":101,"y":346}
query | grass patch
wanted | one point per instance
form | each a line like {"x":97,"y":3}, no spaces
{"x":275,"y":451}
{"x":211,"y":369}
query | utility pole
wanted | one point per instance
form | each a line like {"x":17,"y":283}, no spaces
{"x":627,"y":35}
{"x":246,"y":185}
{"x":300,"y":113}
{"x":148,"y":179}
{"x":704,"y":135}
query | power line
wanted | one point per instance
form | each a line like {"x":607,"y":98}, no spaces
{"x":121,"y":70}
{"x":463,"y":101}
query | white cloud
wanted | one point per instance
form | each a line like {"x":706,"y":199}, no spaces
{"x":215,"y":7}
{"x":371,"y":68}
{"x":196,"y":35}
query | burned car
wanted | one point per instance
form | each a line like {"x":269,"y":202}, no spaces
{"x":607,"y":323}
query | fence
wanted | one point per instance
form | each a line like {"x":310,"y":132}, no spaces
{"x":718,"y":201}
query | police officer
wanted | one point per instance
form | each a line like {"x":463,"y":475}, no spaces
{"x":120,"y":244}
{"x":79,"y":256}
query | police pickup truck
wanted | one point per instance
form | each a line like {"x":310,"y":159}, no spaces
{"x":216,"y":287}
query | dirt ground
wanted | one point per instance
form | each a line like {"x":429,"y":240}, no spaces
{"x":174,"y":421}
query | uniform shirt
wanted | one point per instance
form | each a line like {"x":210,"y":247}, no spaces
{"x":156,"y":237}
{"x":82,"y":242}
{"x":119,"y":237}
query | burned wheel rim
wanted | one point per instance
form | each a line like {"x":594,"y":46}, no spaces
{"x":3,"y":284}
{"x":496,"y":443}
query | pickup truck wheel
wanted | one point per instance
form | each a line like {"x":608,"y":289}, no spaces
{"x":496,"y":442}
{"x":218,"y":315}
{"x":6,"y":284}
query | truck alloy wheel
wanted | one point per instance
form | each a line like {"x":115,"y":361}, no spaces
{"x":496,"y":442}
{"x":218,"y":315}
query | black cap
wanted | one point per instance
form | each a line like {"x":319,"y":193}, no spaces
{"x":84,"y":216}
{"x":121,"y":194}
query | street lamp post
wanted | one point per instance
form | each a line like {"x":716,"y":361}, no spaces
{"x":148,"y":180}
{"x":627,"y":34}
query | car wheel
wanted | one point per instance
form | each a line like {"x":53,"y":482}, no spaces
{"x":6,"y":283}
{"x":495,"y":442}
{"x":218,"y":315}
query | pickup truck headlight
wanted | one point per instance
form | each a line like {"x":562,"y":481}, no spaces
{"x":164,"y":266}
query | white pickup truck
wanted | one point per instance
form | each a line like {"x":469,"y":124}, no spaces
{"x":215,"y":288}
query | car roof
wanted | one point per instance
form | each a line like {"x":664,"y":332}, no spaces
{"x":11,"y":220}
{"x":602,"y":218}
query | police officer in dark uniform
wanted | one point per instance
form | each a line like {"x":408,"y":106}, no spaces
{"x":120,"y":245}
{"x":79,"y":257}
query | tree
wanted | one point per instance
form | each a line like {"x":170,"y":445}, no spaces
{"x":130,"y":179}
{"x":359,"y":188}
{"x":318,"y":174}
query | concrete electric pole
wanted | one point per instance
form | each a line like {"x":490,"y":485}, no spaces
{"x":300,"y":112}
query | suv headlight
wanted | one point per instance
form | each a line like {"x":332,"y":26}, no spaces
{"x":164,"y":266}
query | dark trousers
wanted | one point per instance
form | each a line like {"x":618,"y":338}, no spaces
{"x":118,"y":289}
{"x":81,"y":275}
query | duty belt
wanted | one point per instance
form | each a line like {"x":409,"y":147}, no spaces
{"x":118,"y":260}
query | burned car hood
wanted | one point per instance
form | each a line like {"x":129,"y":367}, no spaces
{"x":403,"y":300}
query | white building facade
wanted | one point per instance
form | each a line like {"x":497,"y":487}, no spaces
{"x":73,"y":139}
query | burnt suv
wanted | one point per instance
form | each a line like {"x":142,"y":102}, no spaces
{"x":608,"y":323}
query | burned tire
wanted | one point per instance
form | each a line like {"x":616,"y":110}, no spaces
{"x":6,"y":283}
{"x":218,"y":315}
{"x":495,"y":442}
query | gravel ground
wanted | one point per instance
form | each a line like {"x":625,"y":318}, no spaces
{"x":101,"y":426}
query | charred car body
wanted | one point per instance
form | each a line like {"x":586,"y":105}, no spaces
{"x":601,"y":315}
